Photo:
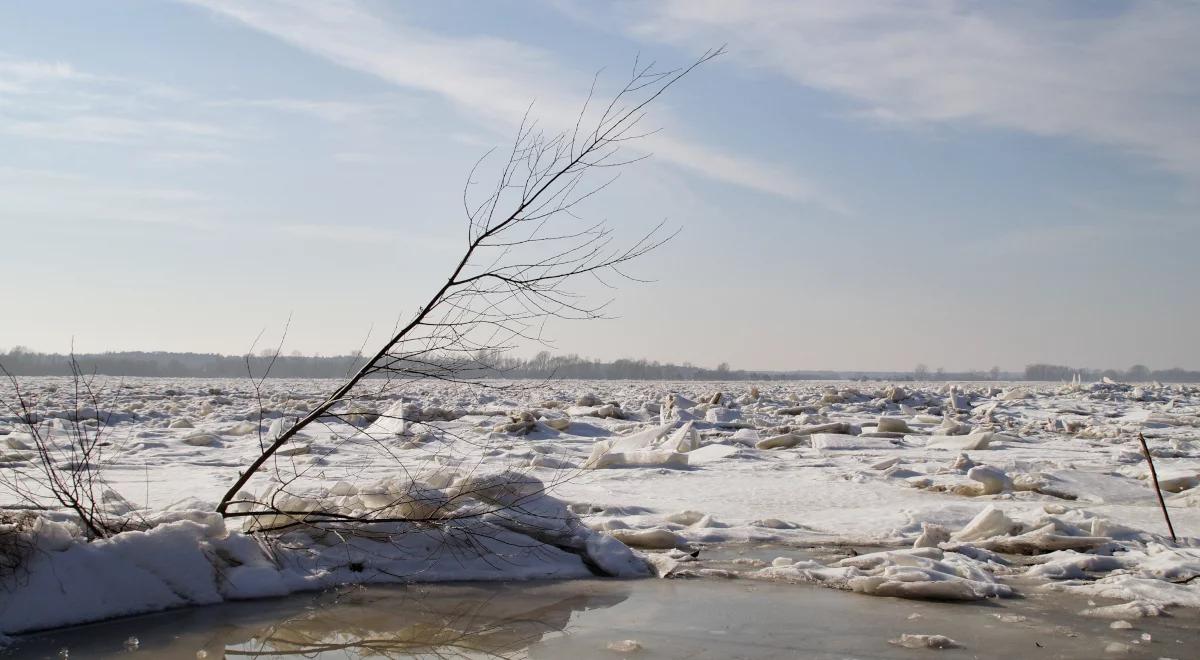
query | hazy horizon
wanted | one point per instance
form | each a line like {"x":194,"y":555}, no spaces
{"x":932,"y":369}
{"x":860,"y":186}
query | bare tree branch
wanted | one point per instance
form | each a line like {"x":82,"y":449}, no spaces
{"x":512,"y":276}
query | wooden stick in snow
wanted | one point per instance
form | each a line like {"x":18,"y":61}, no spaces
{"x":1157,"y":491}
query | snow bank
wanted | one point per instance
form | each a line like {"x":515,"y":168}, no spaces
{"x":192,"y":558}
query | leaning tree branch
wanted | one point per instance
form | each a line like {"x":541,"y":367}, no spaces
{"x":493,"y":288}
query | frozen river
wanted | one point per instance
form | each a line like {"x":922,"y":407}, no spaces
{"x":801,"y":499}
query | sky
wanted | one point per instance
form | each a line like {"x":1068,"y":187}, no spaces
{"x":857,"y":185}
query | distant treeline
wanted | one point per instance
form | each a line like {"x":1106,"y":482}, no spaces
{"x":1138,"y":373}
{"x":545,"y":365}
{"x":181,"y":365}
{"x":21,"y":362}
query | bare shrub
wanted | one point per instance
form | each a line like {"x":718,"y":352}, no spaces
{"x":66,"y":435}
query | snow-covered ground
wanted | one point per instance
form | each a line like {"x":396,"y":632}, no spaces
{"x":965,"y":491}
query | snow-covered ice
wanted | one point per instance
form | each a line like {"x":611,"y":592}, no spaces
{"x":966,"y":491}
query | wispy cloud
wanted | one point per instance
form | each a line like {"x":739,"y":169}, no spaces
{"x":1049,"y":241}
{"x":68,"y":197}
{"x":1122,"y":75}
{"x":56,"y":101}
{"x":19,"y":75}
{"x":188,"y":157}
{"x":108,"y":128}
{"x":363,"y":236}
{"x":331,"y":111}
{"x":73,"y":200}
{"x":15,"y":178}
{"x":490,"y":78}
{"x":355,"y":157}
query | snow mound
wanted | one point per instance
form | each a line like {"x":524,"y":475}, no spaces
{"x":192,"y":558}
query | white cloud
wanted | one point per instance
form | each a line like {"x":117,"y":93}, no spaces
{"x":490,"y":78}
{"x":188,"y":157}
{"x":1128,"y":78}
{"x":364,"y":236}
{"x":331,"y":111}
{"x":27,"y":194}
{"x":110,"y":129}
{"x":744,"y":172}
{"x":355,"y":158}
{"x":55,"y":101}
{"x":50,"y":101}
{"x":18,"y":76}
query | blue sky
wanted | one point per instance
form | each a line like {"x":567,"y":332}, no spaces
{"x":860,"y":185}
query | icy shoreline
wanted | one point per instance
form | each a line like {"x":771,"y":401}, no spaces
{"x":190,"y":558}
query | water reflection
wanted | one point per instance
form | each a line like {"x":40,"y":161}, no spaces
{"x":437,"y":621}
{"x":441,"y":623}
